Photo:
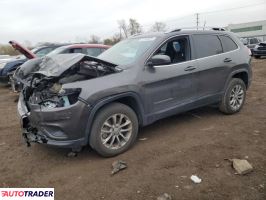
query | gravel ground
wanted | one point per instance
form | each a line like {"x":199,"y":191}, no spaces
{"x":196,"y":142}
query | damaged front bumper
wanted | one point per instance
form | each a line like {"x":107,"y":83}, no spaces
{"x":63,"y":127}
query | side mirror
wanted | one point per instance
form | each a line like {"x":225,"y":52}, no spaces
{"x":159,"y":60}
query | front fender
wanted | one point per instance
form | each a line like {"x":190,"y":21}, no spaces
{"x":102,"y":102}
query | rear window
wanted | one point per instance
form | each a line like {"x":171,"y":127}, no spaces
{"x":207,"y":45}
{"x":228,"y":43}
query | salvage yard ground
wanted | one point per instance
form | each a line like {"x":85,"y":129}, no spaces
{"x":196,"y":142}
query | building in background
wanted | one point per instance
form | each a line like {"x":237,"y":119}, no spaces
{"x":255,"y":29}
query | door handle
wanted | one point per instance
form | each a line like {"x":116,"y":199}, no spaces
{"x":190,"y":68}
{"x":227,"y":60}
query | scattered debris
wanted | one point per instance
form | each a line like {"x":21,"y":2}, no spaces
{"x":261,"y":186}
{"x":194,"y":115}
{"x":207,"y":129}
{"x":118,"y":165}
{"x":143,"y":139}
{"x":241,"y":166}
{"x":188,"y":187}
{"x":2,"y":143}
{"x":256,"y":134}
{"x":138,"y":192}
{"x":164,"y":196}
{"x":195,"y":179}
{"x":217,"y":165}
{"x":183,"y":176}
{"x":72,"y":154}
{"x":177,"y":186}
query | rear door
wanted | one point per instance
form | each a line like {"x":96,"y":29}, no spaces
{"x":212,"y":65}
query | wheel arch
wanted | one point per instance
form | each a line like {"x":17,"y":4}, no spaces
{"x":130,"y":99}
{"x":243,"y":74}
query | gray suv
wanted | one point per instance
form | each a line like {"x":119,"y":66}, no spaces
{"x":72,"y":100}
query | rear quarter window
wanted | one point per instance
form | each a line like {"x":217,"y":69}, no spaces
{"x":207,"y":45}
{"x":228,"y":43}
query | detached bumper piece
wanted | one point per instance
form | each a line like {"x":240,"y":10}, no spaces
{"x":30,"y":135}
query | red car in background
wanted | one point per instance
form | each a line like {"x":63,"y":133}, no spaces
{"x":88,"y":49}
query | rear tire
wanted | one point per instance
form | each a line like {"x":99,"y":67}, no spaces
{"x":114,"y":130}
{"x":234,"y":97}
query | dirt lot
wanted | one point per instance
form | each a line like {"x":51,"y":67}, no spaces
{"x":196,"y":142}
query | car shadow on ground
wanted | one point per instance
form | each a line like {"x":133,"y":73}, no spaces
{"x":150,"y":132}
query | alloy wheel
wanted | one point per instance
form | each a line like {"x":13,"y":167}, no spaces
{"x":116,"y":131}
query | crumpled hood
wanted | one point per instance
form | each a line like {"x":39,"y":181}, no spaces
{"x":54,"y":65}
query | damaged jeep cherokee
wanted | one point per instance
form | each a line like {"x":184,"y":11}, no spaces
{"x":72,"y":100}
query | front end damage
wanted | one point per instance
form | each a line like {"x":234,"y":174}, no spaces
{"x":49,"y":112}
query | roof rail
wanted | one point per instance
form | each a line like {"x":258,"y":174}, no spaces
{"x":198,"y":28}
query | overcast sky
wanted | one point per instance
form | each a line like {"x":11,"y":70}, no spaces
{"x":75,"y":20}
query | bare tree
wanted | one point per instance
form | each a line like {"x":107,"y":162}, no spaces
{"x":123,"y":28}
{"x":113,"y":40}
{"x":94,"y":39}
{"x":134,"y":27}
{"x":158,"y":27}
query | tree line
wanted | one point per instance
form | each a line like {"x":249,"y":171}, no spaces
{"x":126,"y":29}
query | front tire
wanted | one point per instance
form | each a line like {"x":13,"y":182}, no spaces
{"x":234,"y":97}
{"x":257,"y":57}
{"x":114,"y":130}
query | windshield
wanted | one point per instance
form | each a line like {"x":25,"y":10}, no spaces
{"x":127,"y":51}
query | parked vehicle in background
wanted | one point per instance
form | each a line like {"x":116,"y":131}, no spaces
{"x":250,"y":43}
{"x":71,"y":100}
{"x":8,"y":67}
{"x":260,"y":50}
{"x":5,"y":57}
{"x":89,"y":49}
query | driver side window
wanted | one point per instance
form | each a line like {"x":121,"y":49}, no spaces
{"x":177,"y":49}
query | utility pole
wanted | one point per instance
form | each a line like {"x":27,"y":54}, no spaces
{"x":204,"y":25}
{"x":197,"y":20}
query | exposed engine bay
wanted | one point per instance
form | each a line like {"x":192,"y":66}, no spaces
{"x":43,"y":78}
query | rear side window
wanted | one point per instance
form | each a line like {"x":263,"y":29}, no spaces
{"x":228,"y":43}
{"x":72,"y":50}
{"x":76,"y":50}
{"x":207,"y":45}
{"x":93,"y":51}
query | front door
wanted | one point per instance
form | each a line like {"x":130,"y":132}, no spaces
{"x":167,"y":88}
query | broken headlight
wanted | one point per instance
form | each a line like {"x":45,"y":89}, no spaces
{"x":64,"y":98}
